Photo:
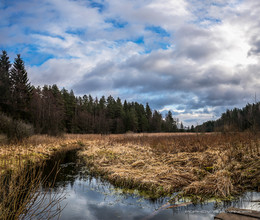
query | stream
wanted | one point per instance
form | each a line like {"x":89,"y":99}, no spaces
{"x":87,"y":197}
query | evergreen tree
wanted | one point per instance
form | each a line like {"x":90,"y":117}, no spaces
{"x":148,"y":113}
{"x":181,"y":127}
{"x":4,"y":82}
{"x":20,"y":89}
{"x":170,"y":124}
{"x":52,"y":111}
{"x":69,"y":101}
{"x":156,"y":122}
{"x":142,"y":121}
{"x":132,"y":120}
{"x":111,"y":108}
{"x":144,"y":124}
{"x":119,"y":115}
{"x":101,"y":122}
{"x":36,"y":109}
{"x":102,"y":103}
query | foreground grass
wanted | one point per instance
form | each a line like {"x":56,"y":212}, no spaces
{"x":21,"y":176}
{"x":209,"y":165}
{"x":35,"y":149}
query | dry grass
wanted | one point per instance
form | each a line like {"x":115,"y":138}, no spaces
{"x":19,"y":183}
{"x":34,"y":149}
{"x":212,"y":165}
{"x":20,"y":197}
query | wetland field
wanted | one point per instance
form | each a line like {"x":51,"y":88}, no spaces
{"x":128,"y":173}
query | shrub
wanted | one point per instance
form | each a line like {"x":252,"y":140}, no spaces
{"x":16,"y":130}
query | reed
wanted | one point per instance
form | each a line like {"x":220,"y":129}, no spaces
{"x":203,"y":165}
{"x":21,"y":197}
{"x":21,"y":177}
{"x":208,"y":165}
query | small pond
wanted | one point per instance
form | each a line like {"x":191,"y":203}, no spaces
{"x":87,"y":197}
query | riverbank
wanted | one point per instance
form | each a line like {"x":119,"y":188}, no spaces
{"x":23,"y":172}
{"x":200,"y":166}
{"x":35,"y":149}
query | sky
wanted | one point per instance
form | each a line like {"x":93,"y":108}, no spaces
{"x":196,"y":58}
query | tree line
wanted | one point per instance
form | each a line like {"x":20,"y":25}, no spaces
{"x":245,"y":119}
{"x":53,"y":111}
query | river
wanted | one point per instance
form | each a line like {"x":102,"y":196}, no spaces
{"x":87,"y":197}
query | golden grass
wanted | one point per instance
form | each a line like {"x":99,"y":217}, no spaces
{"x":20,"y":197}
{"x":21,"y":167}
{"x":35,"y":149}
{"x":212,"y":165}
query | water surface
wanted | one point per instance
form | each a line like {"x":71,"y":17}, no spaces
{"x":88,"y":197}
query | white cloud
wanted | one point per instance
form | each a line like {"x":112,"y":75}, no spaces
{"x":209,"y":59}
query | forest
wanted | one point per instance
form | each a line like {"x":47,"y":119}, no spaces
{"x":53,"y":111}
{"x":26,"y":109}
{"x":235,"y":120}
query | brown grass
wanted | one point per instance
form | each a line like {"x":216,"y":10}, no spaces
{"x":35,"y":149}
{"x":19,"y":183}
{"x":20,"y":197}
{"x":212,"y":165}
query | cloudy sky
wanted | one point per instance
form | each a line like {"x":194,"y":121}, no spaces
{"x":196,"y":58}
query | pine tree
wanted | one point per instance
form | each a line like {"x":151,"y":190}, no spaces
{"x":20,"y":89}
{"x":37,"y":109}
{"x":169,"y":122}
{"x":119,"y":115}
{"x":148,"y":113}
{"x":156,"y":122}
{"x":181,"y":127}
{"x":132,"y":120}
{"x":69,"y":106}
{"x":4,"y":81}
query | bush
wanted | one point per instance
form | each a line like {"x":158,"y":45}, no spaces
{"x":16,"y":130}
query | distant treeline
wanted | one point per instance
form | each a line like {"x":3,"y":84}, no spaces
{"x":54,"y":111}
{"x":247,"y":118}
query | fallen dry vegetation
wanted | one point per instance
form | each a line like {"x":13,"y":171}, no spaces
{"x":35,"y":149}
{"x":21,"y":170}
{"x":208,"y":165}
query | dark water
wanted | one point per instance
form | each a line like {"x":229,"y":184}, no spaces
{"x":91,"y":198}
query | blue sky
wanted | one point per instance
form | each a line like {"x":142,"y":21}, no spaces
{"x":195,"y":58}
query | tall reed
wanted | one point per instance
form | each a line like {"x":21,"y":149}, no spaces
{"x":21,"y":196}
